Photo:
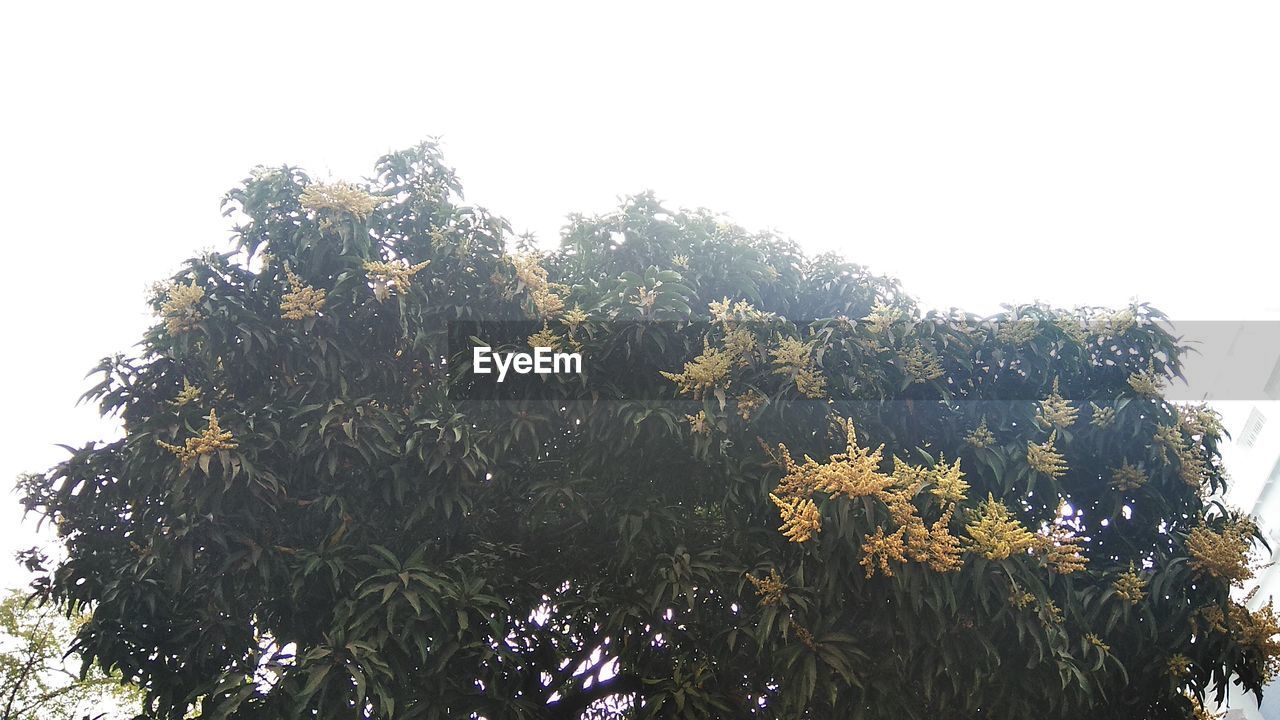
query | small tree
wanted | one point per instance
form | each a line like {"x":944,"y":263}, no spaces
{"x":802,"y":499}
{"x":37,"y":681}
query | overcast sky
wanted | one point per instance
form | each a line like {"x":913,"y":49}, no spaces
{"x":988,"y":152}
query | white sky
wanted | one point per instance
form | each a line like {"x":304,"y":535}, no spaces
{"x":987,"y":152}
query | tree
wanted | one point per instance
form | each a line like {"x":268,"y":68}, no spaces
{"x":35,"y":678}
{"x":779,"y":490}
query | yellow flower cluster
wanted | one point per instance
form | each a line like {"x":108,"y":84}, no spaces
{"x":770,"y":589}
{"x":1147,"y":383}
{"x":995,"y":534}
{"x":879,"y":550}
{"x":1193,"y":468}
{"x":1114,"y":324}
{"x":1179,"y":665}
{"x":1073,"y":328}
{"x":1016,"y":332}
{"x":397,"y":273}
{"x":181,"y":311}
{"x":1102,"y":416}
{"x":790,"y":353}
{"x":698,"y":423}
{"x":748,"y":403}
{"x":1222,"y":554}
{"x":948,"y":482}
{"x":1063,"y":553}
{"x":1131,"y":586}
{"x":730,"y":314}
{"x":546,"y":297}
{"x":981,"y":437}
{"x":645,"y":299}
{"x":708,"y":371}
{"x":909,"y":478}
{"x":1256,"y":630}
{"x":574,"y":318}
{"x":800,"y":518}
{"x":853,"y":473}
{"x":1167,"y":437}
{"x":882,"y":318}
{"x":921,"y":365}
{"x":1214,"y":619}
{"x":1044,"y":458}
{"x":189,"y":394}
{"x":546,"y":337}
{"x":1199,"y":421}
{"x":339,"y":197}
{"x":741,"y":344}
{"x":211,"y":440}
{"x":795,"y":360}
{"x":1050,"y":612}
{"x":680,"y":261}
{"x":302,"y":301}
{"x":1128,"y":477}
{"x":1056,"y":411}
{"x":941,"y":550}
{"x":805,"y":636}
{"x":1096,"y":641}
{"x":912,"y":540}
{"x":721,"y":310}
{"x":1020,"y":598}
{"x":1198,"y":710}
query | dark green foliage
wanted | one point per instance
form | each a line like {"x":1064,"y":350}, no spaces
{"x":375,"y":547}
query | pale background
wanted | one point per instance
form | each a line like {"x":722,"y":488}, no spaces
{"x":985,"y":152}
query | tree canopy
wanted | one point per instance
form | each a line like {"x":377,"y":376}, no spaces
{"x":37,"y":680}
{"x":822,"y":502}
